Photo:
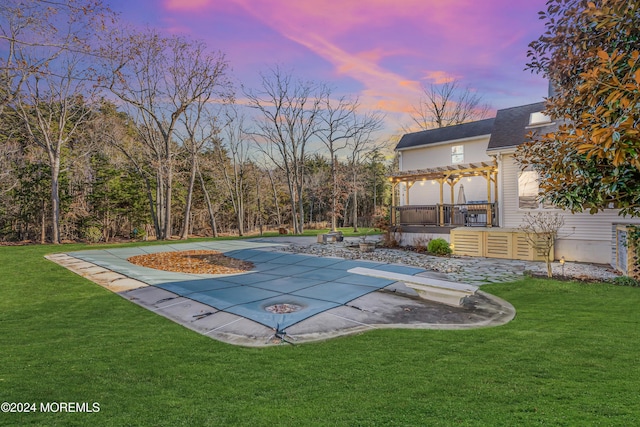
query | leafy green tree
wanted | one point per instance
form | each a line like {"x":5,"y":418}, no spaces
{"x":590,"y":53}
{"x":117,"y":198}
{"x":32,"y":197}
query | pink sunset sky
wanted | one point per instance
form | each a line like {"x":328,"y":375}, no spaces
{"x":380,"y":50}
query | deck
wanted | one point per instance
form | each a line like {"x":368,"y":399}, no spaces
{"x":411,"y":217}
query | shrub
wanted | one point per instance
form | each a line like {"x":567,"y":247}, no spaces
{"x":421,"y":244}
{"x":93,"y":234}
{"x":625,"y":281}
{"x":439,"y":247}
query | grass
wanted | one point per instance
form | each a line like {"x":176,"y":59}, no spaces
{"x":570,"y":357}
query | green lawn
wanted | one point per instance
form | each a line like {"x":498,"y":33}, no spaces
{"x":570,"y":357}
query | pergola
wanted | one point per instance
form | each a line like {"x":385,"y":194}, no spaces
{"x":446,"y":174}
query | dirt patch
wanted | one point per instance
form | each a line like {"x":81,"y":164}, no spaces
{"x":192,"y":262}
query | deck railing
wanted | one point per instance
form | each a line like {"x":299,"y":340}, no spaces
{"x":458,"y":215}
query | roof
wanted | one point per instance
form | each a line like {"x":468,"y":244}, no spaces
{"x":512,"y":126}
{"x":449,"y":133}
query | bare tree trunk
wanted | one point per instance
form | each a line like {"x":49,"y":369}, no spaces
{"x":300,"y":208}
{"x":294,"y":211}
{"x":43,"y":225}
{"x":355,"y":205}
{"x":346,"y":212}
{"x":152,"y":207}
{"x":187,"y":208}
{"x":160,"y":206}
{"x":334,"y":196}
{"x":168,"y":230}
{"x":212,"y":218}
{"x":55,"y":199}
{"x":240,"y":214}
{"x":275,"y":199}
{"x":259,"y":205}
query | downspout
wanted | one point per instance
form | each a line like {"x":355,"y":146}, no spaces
{"x":499,"y":178}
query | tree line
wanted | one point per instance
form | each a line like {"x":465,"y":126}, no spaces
{"x":110,"y":132}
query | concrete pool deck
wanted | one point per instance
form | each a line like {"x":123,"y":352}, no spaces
{"x":331,"y":302}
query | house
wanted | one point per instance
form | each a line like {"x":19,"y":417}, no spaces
{"x":462,"y":183}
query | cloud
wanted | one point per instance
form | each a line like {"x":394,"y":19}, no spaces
{"x":186,"y":5}
{"x":439,"y":77}
{"x":389,"y":49}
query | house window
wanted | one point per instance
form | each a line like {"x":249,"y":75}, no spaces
{"x":539,"y":119}
{"x":528,"y":190}
{"x":457,"y":154}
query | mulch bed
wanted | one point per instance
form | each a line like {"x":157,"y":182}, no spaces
{"x":192,"y":262}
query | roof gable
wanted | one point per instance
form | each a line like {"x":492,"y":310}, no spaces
{"x":449,"y":133}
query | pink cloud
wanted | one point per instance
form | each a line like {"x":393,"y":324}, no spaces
{"x":387,"y":46}
{"x":439,"y":77}
{"x":186,"y":5}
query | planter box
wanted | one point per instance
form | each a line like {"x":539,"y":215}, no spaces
{"x":367,"y":246}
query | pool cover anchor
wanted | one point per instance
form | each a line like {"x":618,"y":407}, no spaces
{"x":202,"y":315}
{"x":281,"y":335}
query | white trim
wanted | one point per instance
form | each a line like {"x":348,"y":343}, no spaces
{"x":502,"y":150}
{"x":500,"y":177}
{"x":447,"y":142}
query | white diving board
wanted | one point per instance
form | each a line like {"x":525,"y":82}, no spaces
{"x":442,"y":291}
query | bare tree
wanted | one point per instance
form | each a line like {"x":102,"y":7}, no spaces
{"x":161,"y":78}
{"x":338,"y":125}
{"x":233,"y":155}
{"x":197,"y":131}
{"x":199,"y":128}
{"x":448,"y":104}
{"x":274,"y":190}
{"x":36,"y":32}
{"x":361,"y":144}
{"x":290,"y":110}
{"x":541,"y":231}
{"x":47,"y":75}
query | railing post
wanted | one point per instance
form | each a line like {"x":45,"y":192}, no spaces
{"x":488,"y":177}
{"x":393,"y":204}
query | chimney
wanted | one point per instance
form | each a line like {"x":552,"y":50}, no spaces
{"x":552,"y":89}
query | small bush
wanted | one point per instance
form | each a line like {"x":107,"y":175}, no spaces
{"x":625,"y":281}
{"x":421,"y":244}
{"x":439,"y":247}
{"x":93,"y":234}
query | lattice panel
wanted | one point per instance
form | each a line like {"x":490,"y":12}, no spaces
{"x":494,"y":243}
{"x":633,"y":263}
{"x":498,"y":245}
{"x":469,"y":244}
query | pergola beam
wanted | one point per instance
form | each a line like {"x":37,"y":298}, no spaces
{"x":459,"y":171}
